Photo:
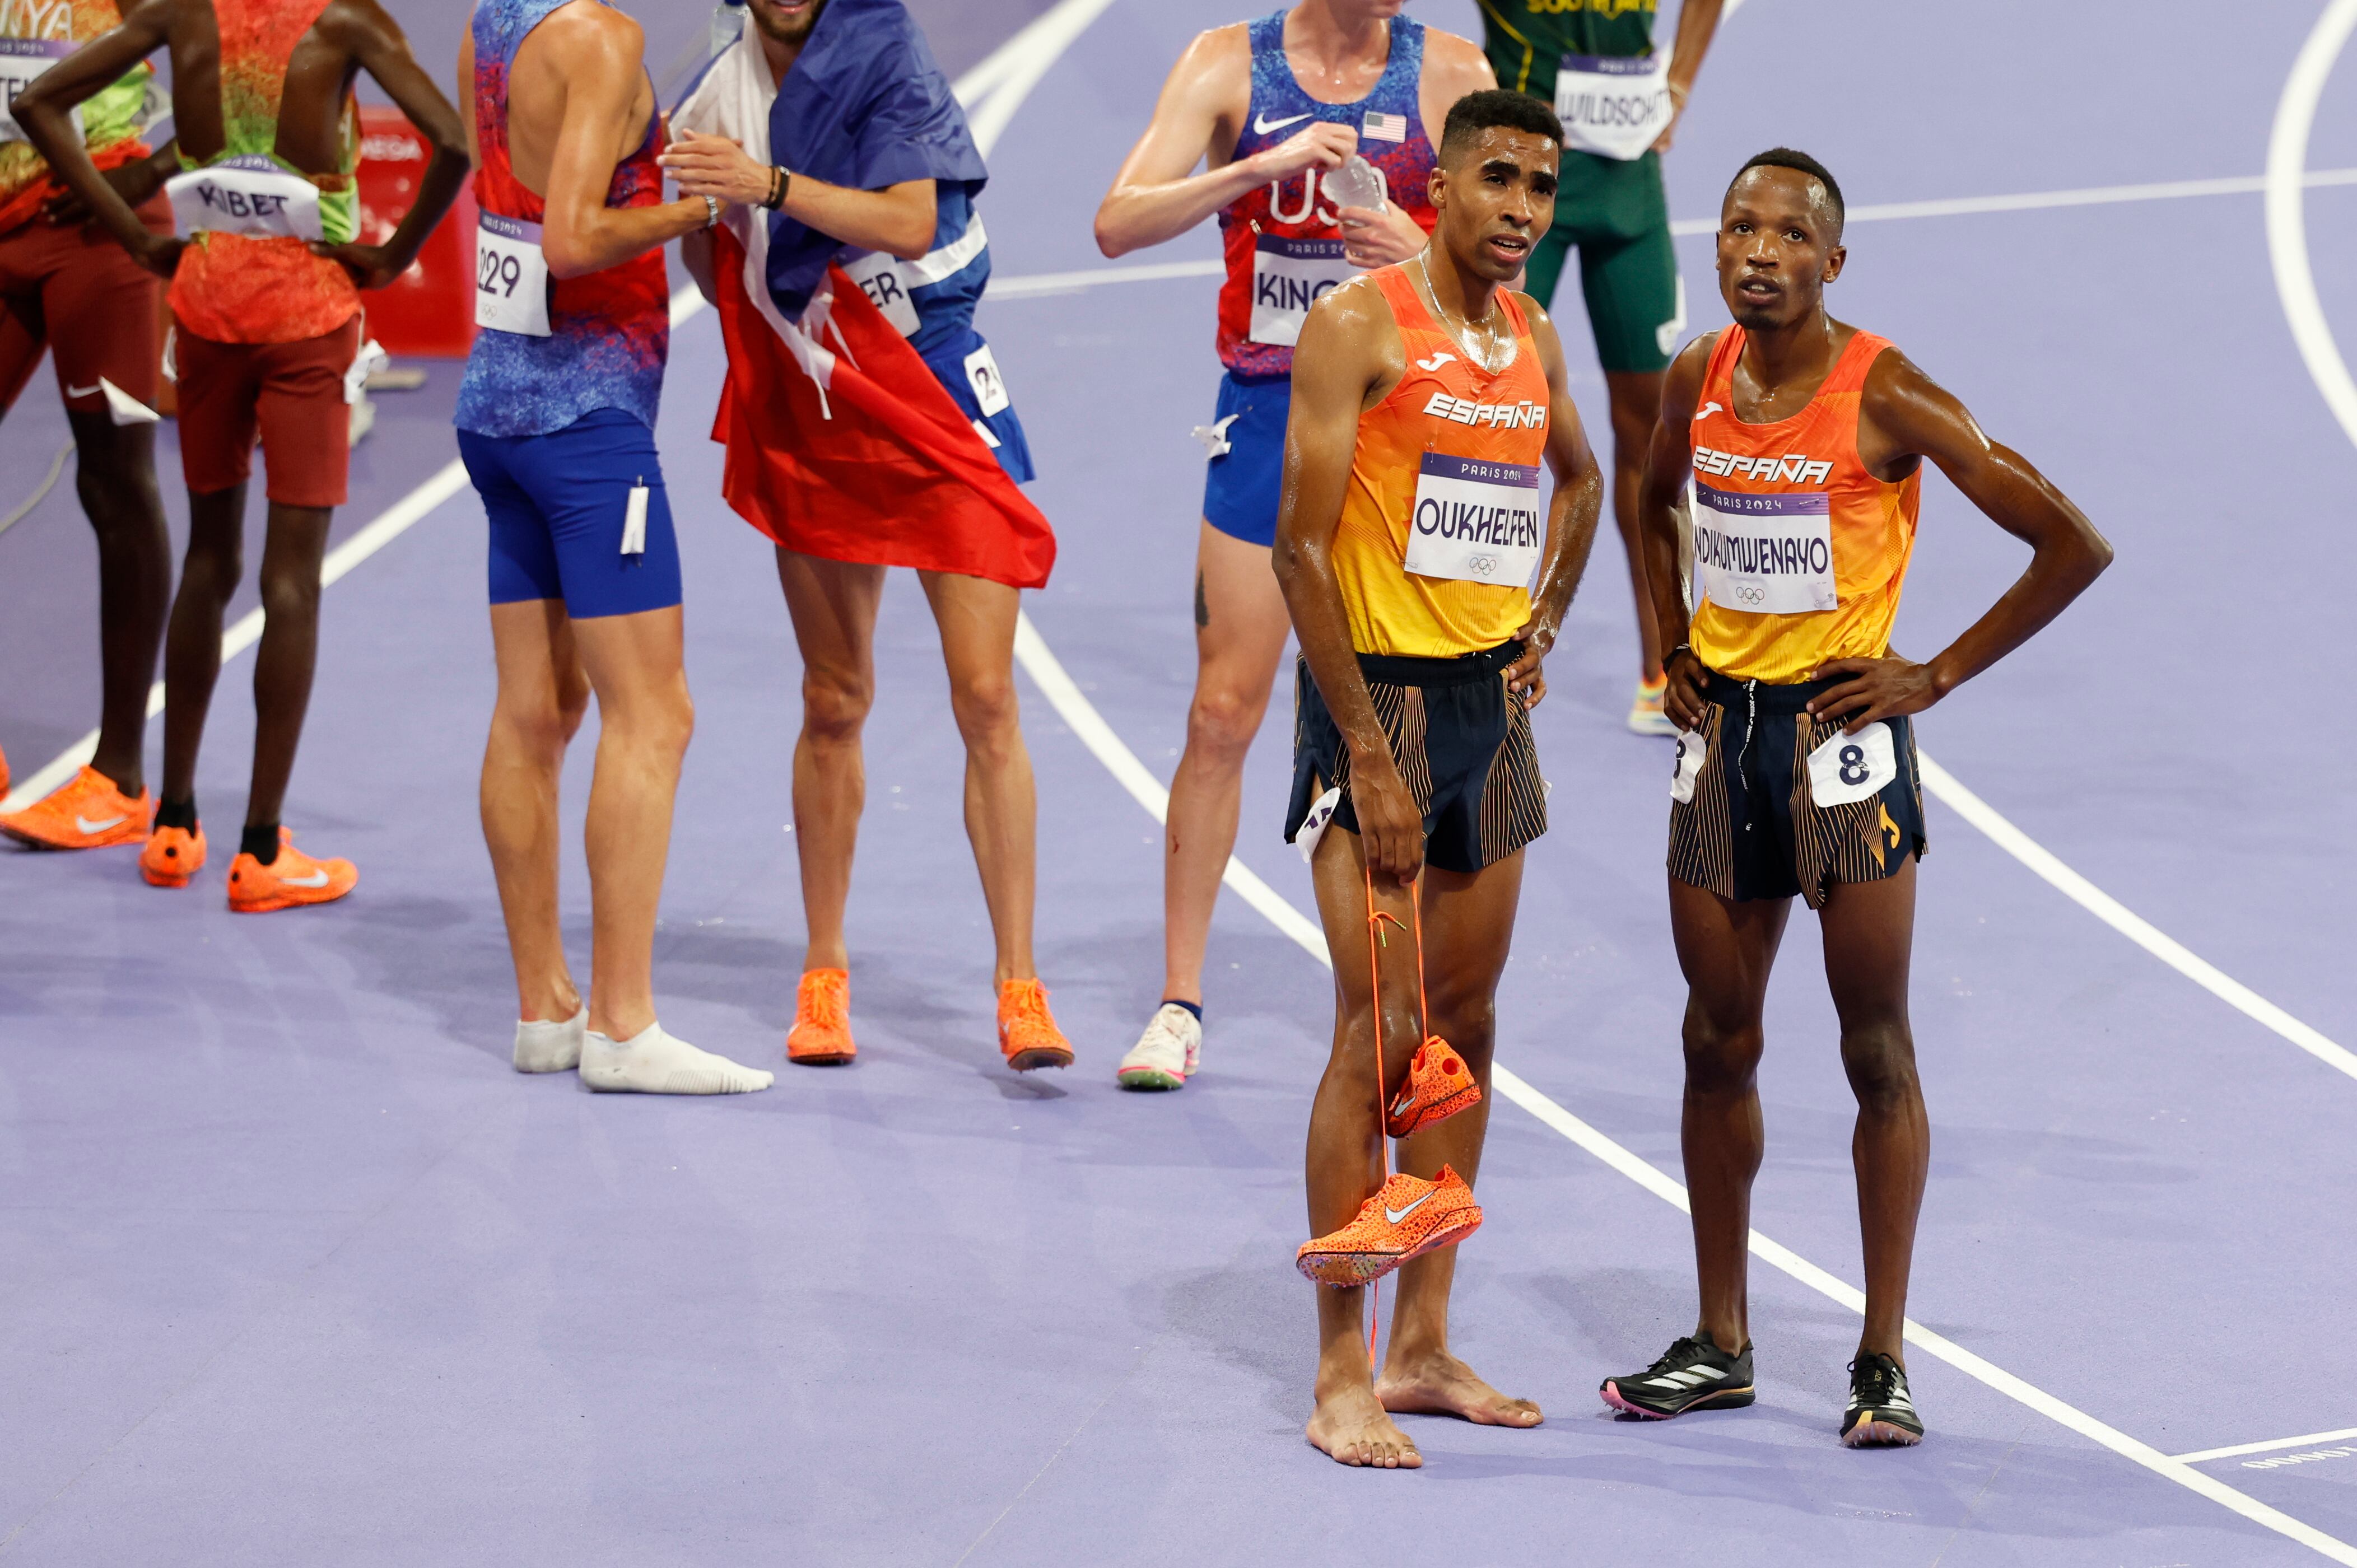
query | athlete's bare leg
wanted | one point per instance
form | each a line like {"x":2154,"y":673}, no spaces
{"x":1636,"y":400}
{"x":289,"y":655}
{"x":1725,"y":950}
{"x":1870,"y":928}
{"x":833,"y":604}
{"x":644,"y":718}
{"x":1466,"y":928}
{"x":116,"y":474}
{"x":1469,"y":925}
{"x":543,"y":693}
{"x":1240,"y":626}
{"x":976,"y":619}
{"x":209,"y":575}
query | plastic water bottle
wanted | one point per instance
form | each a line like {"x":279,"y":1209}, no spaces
{"x":1357,"y":183}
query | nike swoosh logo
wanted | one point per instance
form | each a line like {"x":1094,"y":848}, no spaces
{"x":85,"y":825}
{"x":1434,"y":362}
{"x":1396,"y":1215}
{"x":1263,"y":125}
{"x":81,"y":391}
{"x":317,"y":879}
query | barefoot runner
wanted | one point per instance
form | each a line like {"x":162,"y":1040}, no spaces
{"x":1273,"y":107}
{"x":556,"y":424}
{"x":1426,"y":398}
{"x":1796,"y":770}
{"x":267,"y":279}
{"x":66,"y":286}
{"x":1620,"y":99}
{"x":853,"y":178}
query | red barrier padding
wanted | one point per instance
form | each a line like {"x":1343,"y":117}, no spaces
{"x":429,"y":311}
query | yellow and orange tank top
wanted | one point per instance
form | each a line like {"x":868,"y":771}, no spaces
{"x":1442,"y":522}
{"x":1799,"y":552}
{"x":261,"y":287}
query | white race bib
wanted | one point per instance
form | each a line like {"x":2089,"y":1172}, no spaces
{"x":1849,"y":767}
{"x":877,"y":273}
{"x":22,"y":59}
{"x":245,"y":195}
{"x":1313,"y":826}
{"x":1613,"y":108}
{"x":1475,"y":521}
{"x":1770,"y":554}
{"x":511,"y":276}
{"x":1693,"y":752}
{"x":1288,"y":277}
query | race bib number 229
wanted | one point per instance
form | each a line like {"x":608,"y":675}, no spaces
{"x":511,"y":276}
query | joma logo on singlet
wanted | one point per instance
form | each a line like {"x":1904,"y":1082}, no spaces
{"x":1794,"y":465}
{"x":1522,"y":415}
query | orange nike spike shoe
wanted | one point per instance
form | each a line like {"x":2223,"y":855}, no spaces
{"x":3,"y":773}
{"x":821,"y":1032}
{"x":1028,"y":1035}
{"x":293,"y":878}
{"x":89,"y":812}
{"x":1438,"y":1086}
{"x":173,"y":856}
{"x":1409,"y":1218}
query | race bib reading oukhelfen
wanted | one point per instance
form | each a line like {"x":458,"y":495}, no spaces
{"x":1476,"y":521}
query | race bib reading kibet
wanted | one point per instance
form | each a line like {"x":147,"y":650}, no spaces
{"x":248,"y":194}
{"x":511,"y":276}
{"x":1613,"y":108}
{"x":1770,"y":554}
{"x":1476,"y":521}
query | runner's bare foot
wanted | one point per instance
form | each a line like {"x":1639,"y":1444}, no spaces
{"x":1443,"y":1385}
{"x":1352,"y":1429}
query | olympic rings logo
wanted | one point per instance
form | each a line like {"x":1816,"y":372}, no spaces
{"x":1752,"y":594}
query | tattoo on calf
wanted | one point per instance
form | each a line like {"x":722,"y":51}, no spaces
{"x":1202,"y":606}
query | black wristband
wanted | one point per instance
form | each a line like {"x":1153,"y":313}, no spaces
{"x":779,"y":180}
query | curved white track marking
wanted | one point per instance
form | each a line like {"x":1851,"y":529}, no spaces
{"x":2286,"y":214}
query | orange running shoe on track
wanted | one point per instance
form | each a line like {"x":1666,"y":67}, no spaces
{"x":1438,"y":1086}
{"x":89,"y":812}
{"x":172,"y":856}
{"x":293,"y":878}
{"x":821,"y":1032}
{"x":1028,"y":1035}
{"x":4,"y":774}
{"x":1409,"y":1218}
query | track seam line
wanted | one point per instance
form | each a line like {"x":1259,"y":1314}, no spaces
{"x":2237,"y":1449}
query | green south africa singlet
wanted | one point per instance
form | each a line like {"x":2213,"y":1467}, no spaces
{"x":1526,"y":39}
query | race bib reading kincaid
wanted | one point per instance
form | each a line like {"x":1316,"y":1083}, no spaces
{"x":1475,"y":521}
{"x":511,"y":276}
{"x":1613,"y":108}
{"x":1771,"y":554}
{"x":22,"y":59}
{"x":1288,"y":277}
{"x":247,"y":195}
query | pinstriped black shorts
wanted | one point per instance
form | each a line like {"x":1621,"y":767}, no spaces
{"x":1463,"y":746}
{"x":1753,"y":828}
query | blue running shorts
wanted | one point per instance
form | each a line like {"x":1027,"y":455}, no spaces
{"x":557,"y":505}
{"x":1240,"y":487}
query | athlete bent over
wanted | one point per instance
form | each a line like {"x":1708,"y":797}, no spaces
{"x":556,"y":424}
{"x":266,"y":277}
{"x":66,"y":285}
{"x":1796,"y":771}
{"x":1273,"y":108}
{"x":1426,"y":398}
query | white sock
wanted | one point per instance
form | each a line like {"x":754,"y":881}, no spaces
{"x":651,"y":1062}
{"x":543,"y":1047}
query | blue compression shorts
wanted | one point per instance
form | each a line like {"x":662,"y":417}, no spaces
{"x":1240,"y":487}
{"x":557,"y":505}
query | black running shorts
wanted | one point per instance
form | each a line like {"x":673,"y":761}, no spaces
{"x":1462,"y":743}
{"x":1767,"y":802}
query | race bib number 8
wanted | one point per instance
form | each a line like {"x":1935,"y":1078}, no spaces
{"x":245,"y":194}
{"x":1288,"y":277}
{"x":1770,"y":554}
{"x":1475,"y":521}
{"x":1852,"y":767}
{"x":1613,"y":108}
{"x":22,"y":59}
{"x":511,"y":276}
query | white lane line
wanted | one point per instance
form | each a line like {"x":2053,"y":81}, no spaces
{"x":2286,"y":214}
{"x":40,"y":491}
{"x":1032,"y":285}
{"x":1080,"y":715}
{"x":2267,"y":1447}
{"x":1945,"y":786}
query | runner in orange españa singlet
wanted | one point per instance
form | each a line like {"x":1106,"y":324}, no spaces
{"x":1425,"y":577}
{"x":1797,"y":774}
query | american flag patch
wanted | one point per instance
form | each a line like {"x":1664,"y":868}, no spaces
{"x":1384,"y":128}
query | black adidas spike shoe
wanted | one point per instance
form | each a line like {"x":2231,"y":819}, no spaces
{"x":1881,"y":1412}
{"x":1693,"y":1374}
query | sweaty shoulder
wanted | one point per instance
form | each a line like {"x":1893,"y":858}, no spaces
{"x":589,"y":27}
{"x":1459,"y":63}
{"x":1683,"y":389}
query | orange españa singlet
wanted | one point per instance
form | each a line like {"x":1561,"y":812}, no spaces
{"x":1442,"y":522}
{"x":1798,"y":552}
